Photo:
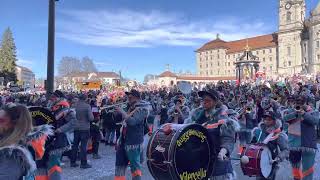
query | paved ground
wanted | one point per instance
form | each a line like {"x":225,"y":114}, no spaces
{"x":103,"y":169}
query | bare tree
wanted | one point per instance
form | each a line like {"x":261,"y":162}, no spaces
{"x":88,"y":65}
{"x":69,"y":65}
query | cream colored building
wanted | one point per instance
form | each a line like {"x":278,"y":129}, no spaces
{"x":169,"y":79}
{"x":294,"y":48}
{"x":25,"y":76}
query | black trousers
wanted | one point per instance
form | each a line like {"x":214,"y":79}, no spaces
{"x":96,"y":138}
{"x":80,"y":137}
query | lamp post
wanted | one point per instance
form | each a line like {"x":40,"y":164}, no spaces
{"x":50,"y":56}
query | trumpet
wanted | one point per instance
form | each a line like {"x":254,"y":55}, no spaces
{"x":248,"y":110}
{"x":122,"y":105}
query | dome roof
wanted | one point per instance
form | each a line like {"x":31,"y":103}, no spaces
{"x":167,"y":74}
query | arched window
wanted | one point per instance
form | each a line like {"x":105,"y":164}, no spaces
{"x":289,"y":16}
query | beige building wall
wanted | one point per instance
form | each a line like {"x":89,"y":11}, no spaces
{"x":219,"y":63}
{"x":291,"y":24}
{"x":297,"y":47}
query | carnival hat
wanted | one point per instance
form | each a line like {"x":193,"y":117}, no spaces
{"x":211,"y":93}
{"x":134,"y":93}
{"x":58,"y":94}
{"x":269,"y":114}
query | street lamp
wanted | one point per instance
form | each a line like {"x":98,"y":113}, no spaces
{"x":50,"y":57}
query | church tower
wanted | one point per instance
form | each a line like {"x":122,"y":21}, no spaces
{"x":291,"y":24}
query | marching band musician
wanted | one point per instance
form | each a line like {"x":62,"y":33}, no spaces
{"x":49,"y":166}
{"x":246,"y":121}
{"x":179,"y":112}
{"x":302,"y":121}
{"x":16,"y":160}
{"x":222,"y":130}
{"x":130,"y":143}
{"x":270,"y":129}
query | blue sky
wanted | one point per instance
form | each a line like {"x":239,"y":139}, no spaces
{"x":135,"y":36}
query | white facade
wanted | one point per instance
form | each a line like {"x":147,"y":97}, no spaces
{"x":25,"y":77}
{"x":295,"y":47}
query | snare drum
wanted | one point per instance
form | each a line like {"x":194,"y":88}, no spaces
{"x":180,"y":152}
{"x":260,"y":161}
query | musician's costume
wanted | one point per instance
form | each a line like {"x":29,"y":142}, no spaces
{"x":180,"y":116}
{"x":20,"y":159}
{"x":130,"y":143}
{"x":49,"y":166}
{"x":278,"y":140}
{"x":302,"y":141}
{"x":222,"y":132}
{"x":246,"y":121}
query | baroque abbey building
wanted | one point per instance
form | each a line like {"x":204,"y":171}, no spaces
{"x":294,"y":48}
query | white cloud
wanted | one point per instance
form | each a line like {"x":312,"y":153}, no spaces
{"x":24,"y":62}
{"x":126,"y":28}
{"x":102,"y":63}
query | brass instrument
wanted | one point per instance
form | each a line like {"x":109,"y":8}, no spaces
{"x":248,"y":110}
{"x":122,"y":105}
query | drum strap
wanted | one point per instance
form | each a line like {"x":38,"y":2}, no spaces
{"x":259,"y":136}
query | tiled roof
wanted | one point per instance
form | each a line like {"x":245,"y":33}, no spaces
{"x":167,"y":74}
{"x":215,"y":44}
{"x":108,"y":74}
{"x":258,"y":42}
{"x":199,"y":78}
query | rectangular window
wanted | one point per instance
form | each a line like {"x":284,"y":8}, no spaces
{"x":211,"y":64}
{"x":289,"y":63}
{"x":318,"y":44}
{"x":206,"y":65}
{"x":211,"y":72}
{"x":289,"y":51}
{"x":228,"y":63}
{"x":264,"y":59}
{"x":264,"y":51}
{"x":318,"y":56}
{"x":200,"y":66}
{"x":218,"y":56}
{"x":257,"y":52}
{"x":270,"y":50}
{"x":270,"y":59}
{"x":270,"y":68}
{"x":305,"y":47}
{"x":234,"y":56}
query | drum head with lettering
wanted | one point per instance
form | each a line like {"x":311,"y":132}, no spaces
{"x":41,"y":116}
{"x":265,"y":162}
{"x":192,"y":153}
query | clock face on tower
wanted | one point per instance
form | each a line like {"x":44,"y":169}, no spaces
{"x":288,"y":6}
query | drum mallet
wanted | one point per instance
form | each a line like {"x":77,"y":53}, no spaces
{"x":243,"y":159}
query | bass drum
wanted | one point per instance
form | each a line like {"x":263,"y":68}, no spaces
{"x":180,"y":152}
{"x":41,"y":116}
{"x":259,"y":164}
